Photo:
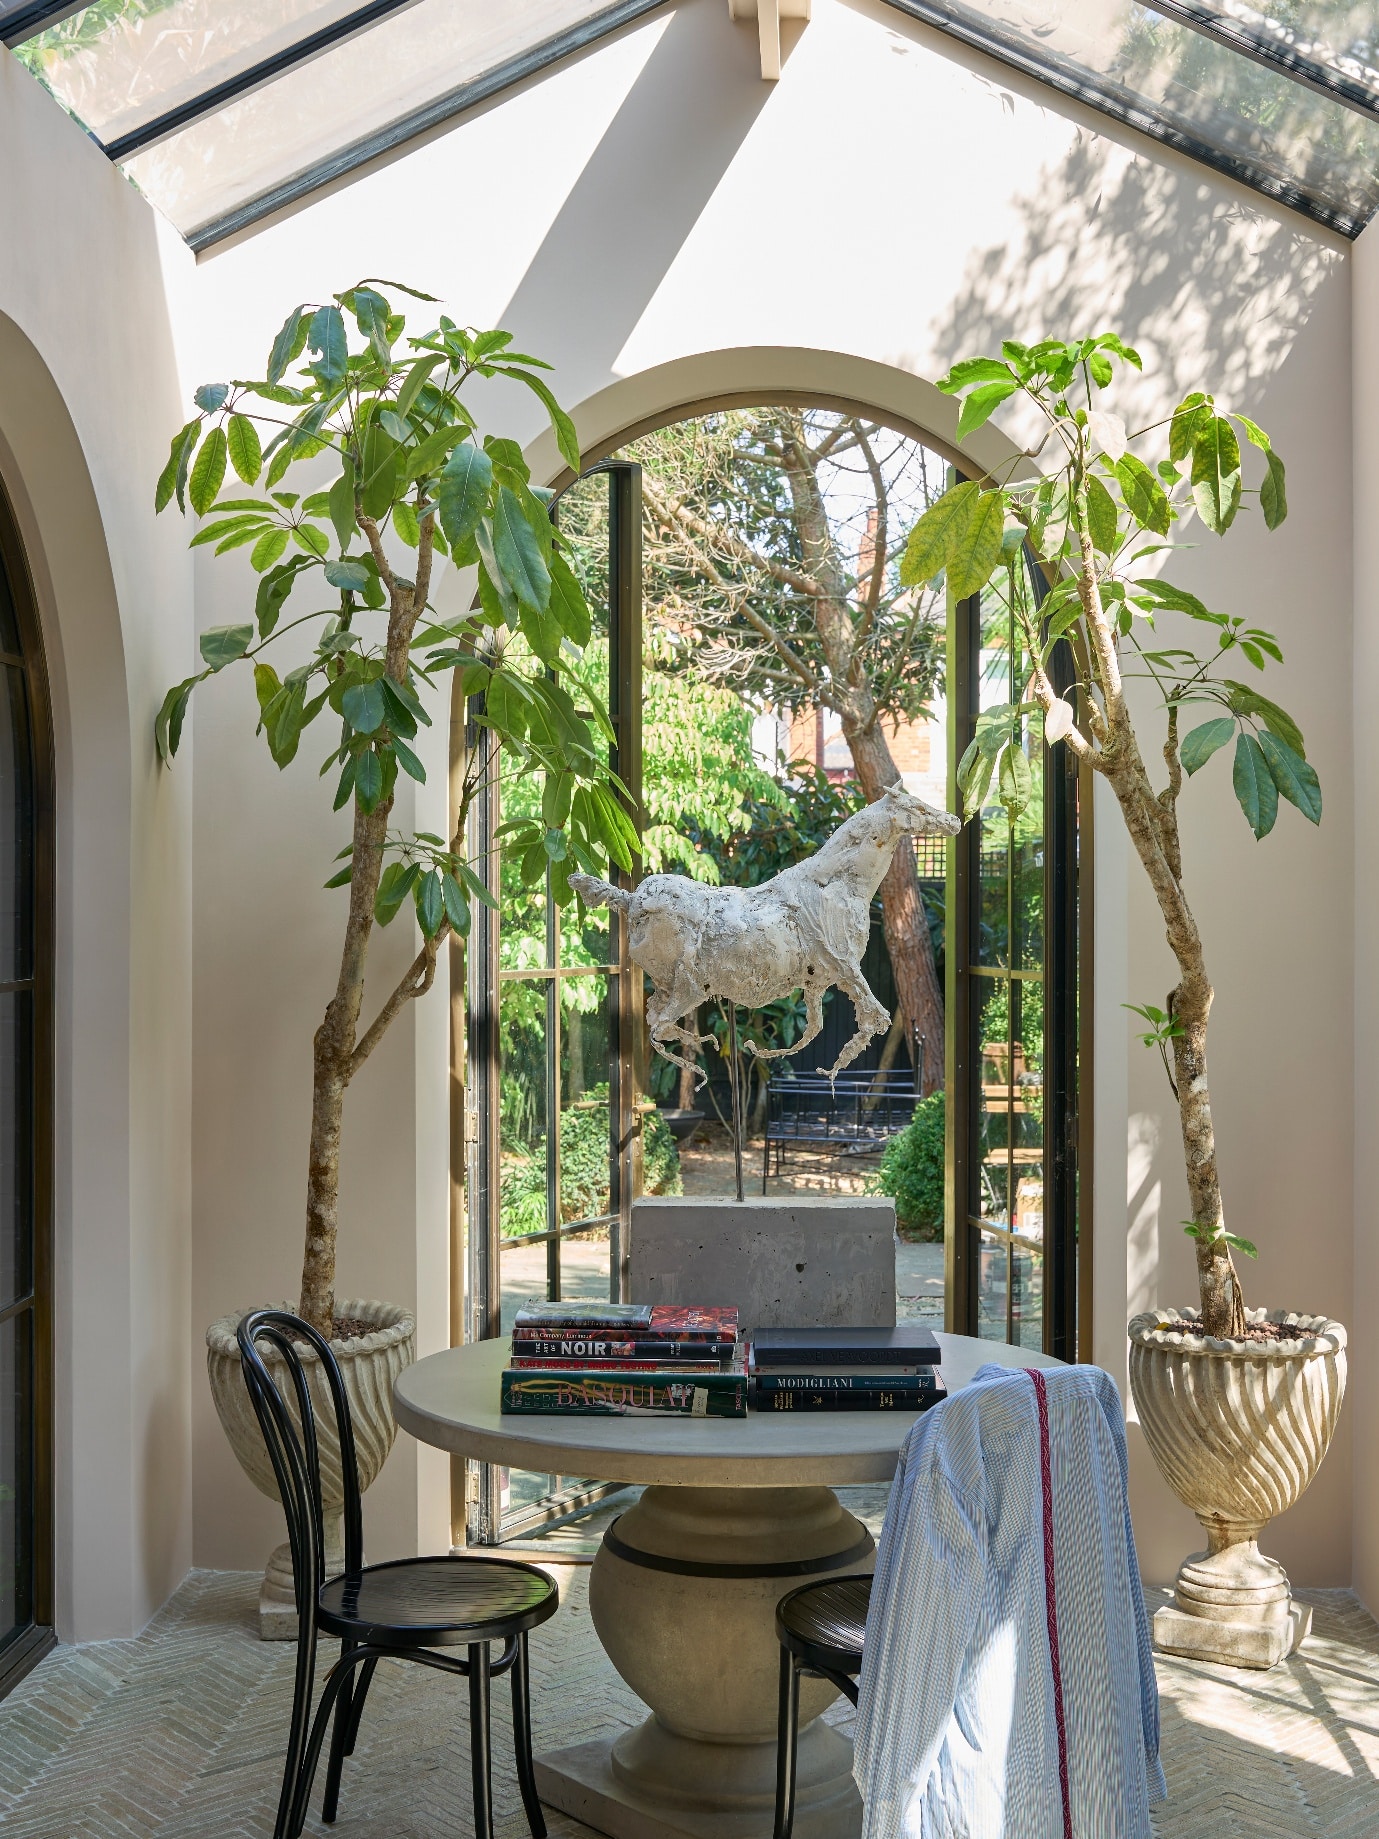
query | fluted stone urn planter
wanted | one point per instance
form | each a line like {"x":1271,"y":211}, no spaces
{"x":369,"y":1364}
{"x":1238,"y":1429}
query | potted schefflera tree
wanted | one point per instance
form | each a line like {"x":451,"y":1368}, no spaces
{"x":356,"y":470}
{"x":1237,"y":1405}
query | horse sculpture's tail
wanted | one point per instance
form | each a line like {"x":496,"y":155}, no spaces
{"x":596,"y":893}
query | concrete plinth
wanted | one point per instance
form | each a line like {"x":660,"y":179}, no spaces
{"x":787,"y":1261}
{"x":1259,"y":1645}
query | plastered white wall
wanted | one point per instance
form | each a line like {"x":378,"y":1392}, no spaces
{"x":662,"y":225}
{"x":1364,"y":1365}
{"x":88,"y":388}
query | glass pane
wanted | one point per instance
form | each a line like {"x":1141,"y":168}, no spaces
{"x":117,"y":67}
{"x":1026,"y":1297}
{"x":584,"y":1118}
{"x":993,"y":1273}
{"x":1279,"y":135}
{"x":522,"y":1128}
{"x":16,"y":1145}
{"x":582,"y":519}
{"x":16,"y":1474}
{"x":16,"y":829}
{"x":388,"y":74}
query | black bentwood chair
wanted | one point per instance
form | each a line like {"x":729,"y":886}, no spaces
{"x":821,"y":1627}
{"x":400,"y":1611}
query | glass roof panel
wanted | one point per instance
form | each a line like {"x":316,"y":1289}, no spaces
{"x":1191,"y":91}
{"x":121,"y":65}
{"x":118,"y":67}
{"x":224,"y":110}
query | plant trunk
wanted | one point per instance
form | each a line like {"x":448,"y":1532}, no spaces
{"x":333,"y":1049}
{"x":902,"y":909}
{"x":1152,"y":824}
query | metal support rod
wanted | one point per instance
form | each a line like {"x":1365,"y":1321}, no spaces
{"x":732,"y":1086}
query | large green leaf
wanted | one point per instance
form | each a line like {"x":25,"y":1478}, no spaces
{"x":274,"y":589}
{"x":1273,"y":493}
{"x":393,"y":886}
{"x":341,"y":501}
{"x":368,"y":779}
{"x":566,"y":439}
{"x":1015,"y":784}
{"x":518,"y":549}
{"x":363,"y":707}
{"x":246,"y":454}
{"x":976,"y":545}
{"x":463,"y":488}
{"x":979,"y":406}
{"x":931,"y":541}
{"x":208,"y":473}
{"x":1246,"y":701}
{"x":381,"y":471}
{"x":568,"y":604}
{"x":456,"y":906}
{"x":1254,"y":785}
{"x":1145,"y":499}
{"x":167,"y":728}
{"x":1103,"y":525}
{"x":1216,"y":473}
{"x":173,"y":475}
{"x":326,"y":338}
{"x":288,"y":344}
{"x":968,"y":371}
{"x":221,"y":645}
{"x":1198,"y":746}
{"x":1293,"y":776}
{"x":1190,"y":415}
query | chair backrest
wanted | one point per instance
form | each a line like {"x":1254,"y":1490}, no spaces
{"x":293,"y":1446}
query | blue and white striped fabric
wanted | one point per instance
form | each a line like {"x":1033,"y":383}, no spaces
{"x":956,"y":1730}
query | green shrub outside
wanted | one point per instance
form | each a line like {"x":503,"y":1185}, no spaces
{"x":912,"y":1172}
{"x":583,"y":1169}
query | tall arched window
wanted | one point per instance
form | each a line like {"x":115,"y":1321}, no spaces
{"x":26,"y":1584}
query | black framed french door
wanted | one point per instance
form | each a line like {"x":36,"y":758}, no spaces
{"x":556,"y":1058}
{"x":1018,"y":1204}
{"x":26,"y":1482}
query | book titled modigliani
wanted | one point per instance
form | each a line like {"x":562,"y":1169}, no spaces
{"x":553,"y":1392}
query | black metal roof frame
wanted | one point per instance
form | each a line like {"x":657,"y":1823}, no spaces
{"x":1271,"y":50}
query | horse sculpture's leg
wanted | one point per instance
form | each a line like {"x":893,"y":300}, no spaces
{"x":872,"y":1020}
{"x":664,"y":1014}
{"x":814,"y":1022}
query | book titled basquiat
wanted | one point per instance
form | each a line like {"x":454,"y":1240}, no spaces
{"x":536,"y":1391}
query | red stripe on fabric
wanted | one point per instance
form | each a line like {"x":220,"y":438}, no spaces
{"x":1041,"y":1395}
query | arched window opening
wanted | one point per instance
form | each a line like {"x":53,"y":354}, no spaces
{"x":767,"y":672}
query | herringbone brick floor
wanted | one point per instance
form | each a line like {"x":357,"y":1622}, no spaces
{"x":179,"y":1733}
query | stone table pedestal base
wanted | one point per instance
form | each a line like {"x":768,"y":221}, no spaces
{"x":683,"y":1594}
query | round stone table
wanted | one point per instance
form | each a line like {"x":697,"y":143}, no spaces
{"x":736,"y":1512}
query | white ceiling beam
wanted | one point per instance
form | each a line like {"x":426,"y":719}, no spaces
{"x":768,"y":15}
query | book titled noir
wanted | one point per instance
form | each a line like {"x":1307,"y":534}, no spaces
{"x":622,"y":1348}
{"x":698,"y":1395}
{"x":811,"y":1348}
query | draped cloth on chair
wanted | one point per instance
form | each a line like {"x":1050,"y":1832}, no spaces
{"x":1007,"y":1687}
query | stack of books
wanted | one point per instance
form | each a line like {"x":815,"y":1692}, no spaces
{"x":845,"y":1369}
{"x":625,"y":1360}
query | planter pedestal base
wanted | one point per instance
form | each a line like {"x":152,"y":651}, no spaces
{"x":1232,"y":1604}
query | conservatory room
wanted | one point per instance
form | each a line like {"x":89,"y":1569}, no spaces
{"x":687,"y":881}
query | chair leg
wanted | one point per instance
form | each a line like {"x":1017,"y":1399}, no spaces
{"x":521,"y":1739}
{"x":787,"y":1738}
{"x":284,"y":1827}
{"x":339,"y":1739}
{"x":361,"y":1691}
{"x":479,"y":1747}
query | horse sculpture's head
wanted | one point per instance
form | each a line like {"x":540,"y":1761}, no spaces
{"x":914,"y":816}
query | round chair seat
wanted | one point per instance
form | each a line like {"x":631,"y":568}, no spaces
{"x":824,"y":1624}
{"x":438,"y":1602}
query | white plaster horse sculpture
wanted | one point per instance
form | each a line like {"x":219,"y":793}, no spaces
{"x":805,"y":929}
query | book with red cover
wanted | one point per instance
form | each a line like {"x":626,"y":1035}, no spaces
{"x":557,"y":1364}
